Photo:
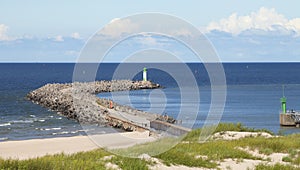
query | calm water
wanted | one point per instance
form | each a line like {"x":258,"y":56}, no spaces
{"x":253,"y":93}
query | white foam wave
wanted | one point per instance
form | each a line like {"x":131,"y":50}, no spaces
{"x":2,"y":139}
{"x":22,"y":121}
{"x":65,"y":132}
{"x":47,"y":129}
{"x":4,"y":124}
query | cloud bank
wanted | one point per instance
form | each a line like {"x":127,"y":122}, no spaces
{"x":263,"y":20}
{"x":118,"y":26}
{"x":262,"y":36}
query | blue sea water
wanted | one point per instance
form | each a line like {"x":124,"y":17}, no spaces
{"x":253,"y":93}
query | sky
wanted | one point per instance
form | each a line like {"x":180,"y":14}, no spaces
{"x":240,"y":31}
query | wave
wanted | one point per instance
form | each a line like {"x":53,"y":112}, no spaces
{"x":28,"y":121}
{"x":66,"y":132}
{"x":22,"y":121}
{"x":4,"y":124}
{"x":3,"y":139}
{"x":47,"y":129}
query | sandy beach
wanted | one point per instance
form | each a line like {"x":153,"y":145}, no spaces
{"x":40,"y":147}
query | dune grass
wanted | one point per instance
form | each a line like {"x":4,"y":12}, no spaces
{"x":275,"y":167}
{"x":81,"y":160}
{"x":126,"y":163}
{"x":219,"y":150}
{"x":189,"y":151}
{"x":150,"y":148}
{"x":284,"y":144}
{"x":184,"y":151}
{"x":193,"y":136}
{"x":193,"y":154}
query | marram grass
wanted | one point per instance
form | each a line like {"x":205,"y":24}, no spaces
{"x":275,"y":167}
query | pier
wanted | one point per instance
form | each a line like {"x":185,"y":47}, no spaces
{"x":288,"y":118}
{"x":78,"y":101}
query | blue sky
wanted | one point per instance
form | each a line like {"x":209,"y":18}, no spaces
{"x":241,"y":31}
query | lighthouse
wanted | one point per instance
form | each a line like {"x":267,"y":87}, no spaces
{"x":283,"y":105}
{"x":145,"y":74}
{"x":283,"y":101}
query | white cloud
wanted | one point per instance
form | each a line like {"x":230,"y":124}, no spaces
{"x":117,"y":27}
{"x":182,"y":32}
{"x":264,"y":19}
{"x":294,"y":24}
{"x":58,"y":38}
{"x":71,"y":53}
{"x":152,"y":40}
{"x":3,"y":30}
{"x":149,"y":41}
{"x":75,"y":35}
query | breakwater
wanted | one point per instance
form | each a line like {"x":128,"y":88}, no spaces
{"x":78,"y":100}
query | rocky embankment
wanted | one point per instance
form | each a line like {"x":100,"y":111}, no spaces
{"x":78,"y":100}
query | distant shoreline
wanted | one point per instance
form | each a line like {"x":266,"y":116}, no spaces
{"x":229,"y":62}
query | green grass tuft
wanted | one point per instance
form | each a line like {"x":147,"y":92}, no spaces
{"x":150,"y":148}
{"x":266,"y":151}
{"x":59,"y":161}
{"x":130,"y":163}
{"x":287,"y":159}
{"x":275,"y":167}
{"x":186,"y":154}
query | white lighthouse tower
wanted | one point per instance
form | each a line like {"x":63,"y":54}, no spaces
{"x":145,"y":74}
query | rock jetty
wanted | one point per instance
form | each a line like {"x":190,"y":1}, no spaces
{"x":78,"y":100}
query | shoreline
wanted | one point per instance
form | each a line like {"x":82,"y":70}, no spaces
{"x":33,"y":148}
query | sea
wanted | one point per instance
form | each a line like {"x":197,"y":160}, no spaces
{"x":253,"y":92}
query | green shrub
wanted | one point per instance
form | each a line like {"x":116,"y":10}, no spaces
{"x":287,"y":159}
{"x":130,"y":163}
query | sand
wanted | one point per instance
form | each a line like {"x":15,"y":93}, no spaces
{"x":40,"y":147}
{"x":232,"y":135}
